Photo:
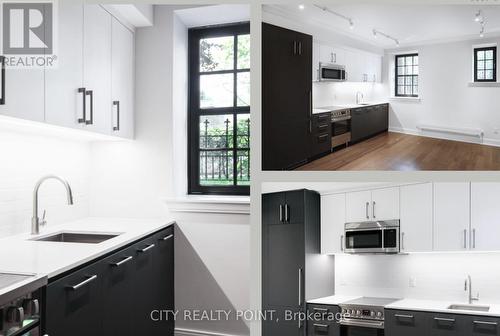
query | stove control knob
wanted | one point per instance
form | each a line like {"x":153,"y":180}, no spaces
{"x":358,"y":312}
{"x":15,"y":315}
{"x":379,"y":314}
{"x":31,"y":307}
{"x":372,"y":313}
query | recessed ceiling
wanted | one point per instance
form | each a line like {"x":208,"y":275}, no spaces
{"x":411,"y":24}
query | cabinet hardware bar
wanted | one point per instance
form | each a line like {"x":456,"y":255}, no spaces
{"x":404,"y":316}
{"x":167,"y":237}
{"x":83,"y":283}
{"x":485,"y":323}
{"x":281,"y":213}
{"x":147,"y":248}
{"x":127,"y":259}
{"x":444,"y":319}
{"x":300,"y":286}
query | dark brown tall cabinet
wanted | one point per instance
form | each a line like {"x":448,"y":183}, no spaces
{"x":286,"y":97}
{"x":293,"y":270}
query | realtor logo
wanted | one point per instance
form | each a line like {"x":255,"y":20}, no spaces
{"x":27,"y":28}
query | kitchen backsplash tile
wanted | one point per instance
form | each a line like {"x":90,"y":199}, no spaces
{"x":328,"y":93}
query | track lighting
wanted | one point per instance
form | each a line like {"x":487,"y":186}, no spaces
{"x":376,"y":33}
{"x":479,"y":18}
{"x":342,"y":16}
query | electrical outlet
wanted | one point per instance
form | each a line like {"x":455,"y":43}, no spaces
{"x":413,"y":282}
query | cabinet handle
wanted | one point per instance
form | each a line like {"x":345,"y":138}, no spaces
{"x":300,"y":287}
{"x":465,"y":238}
{"x":295,"y":47}
{"x":485,"y":323}
{"x":317,"y":325}
{"x":342,"y":243}
{"x":147,"y":248}
{"x":2,"y":73}
{"x":91,"y":94}
{"x":287,"y":213}
{"x":83,"y":283}
{"x":83,"y":91}
{"x":281,"y":213}
{"x":117,"y":104}
{"x":167,"y":237}
{"x":440,"y":319}
{"x":404,"y":316}
{"x":402,"y":241}
{"x":324,"y":310}
{"x":322,"y":136}
{"x":124,"y":261}
{"x":367,"y":205}
{"x":473,"y":238}
{"x":300,"y":48}
{"x":334,"y":57}
{"x":322,"y":126}
{"x":373,"y":209}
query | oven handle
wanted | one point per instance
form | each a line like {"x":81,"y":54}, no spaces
{"x":365,"y":324}
{"x":341,"y":119}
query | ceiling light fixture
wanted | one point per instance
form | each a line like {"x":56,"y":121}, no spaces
{"x":302,"y":7}
{"x":342,"y":16}
{"x":479,"y":18}
{"x":376,"y":33}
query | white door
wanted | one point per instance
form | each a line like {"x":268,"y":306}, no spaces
{"x":63,"y":99}
{"x":122,"y":74}
{"x":358,"y":206}
{"x":416,"y":218}
{"x":485,"y":216}
{"x":97,"y":68}
{"x":451,"y":216}
{"x":315,"y":62}
{"x":385,"y":204}
{"x":332,"y":223}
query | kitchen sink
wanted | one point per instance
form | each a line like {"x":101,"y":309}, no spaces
{"x":363,"y":104}
{"x":469,"y":307}
{"x":77,"y":237}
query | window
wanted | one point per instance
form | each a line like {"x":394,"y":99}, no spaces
{"x":219,"y":110}
{"x":485,"y":60}
{"x":406,"y":75}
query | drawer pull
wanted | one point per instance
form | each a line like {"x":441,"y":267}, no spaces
{"x":324,"y":310}
{"x":404,"y":316}
{"x":124,"y":261}
{"x":485,"y":323}
{"x":325,"y":326}
{"x":83,"y":283}
{"x":441,"y":319}
{"x":167,"y":237}
{"x":323,"y":126}
{"x":147,"y":248}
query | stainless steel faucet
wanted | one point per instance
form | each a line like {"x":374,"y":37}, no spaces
{"x":468,"y":286}
{"x":357,"y":97}
{"x":35,"y":221}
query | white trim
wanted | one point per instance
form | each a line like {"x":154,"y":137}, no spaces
{"x":483,"y":84}
{"x":473,"y":132}
{"x":407,"y":99}
{"x":239,"y":205}
{"x":192,"y":332}
{"x":409,"y":131}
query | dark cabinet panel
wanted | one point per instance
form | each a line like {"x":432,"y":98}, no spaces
{"x":323,"y":321}
{"x":360,"y":126}
{"x":74,"y":304}
{"x":369,"y":121}
{"x":321,"y":134}
{"x":286,"y":97}
{"x":282,"y":326}
{"x":407,"y":323}
{"x":482,"y":326}
{"x":272,"y":208}
{"x":295,"y":206}
{"x":446,"y":325}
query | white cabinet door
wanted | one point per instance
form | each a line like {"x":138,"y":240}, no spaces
{"x":358,"y":206}
{"x":416,"y":218}
{"x":63,"y":101}
{"x":329,"y":54}
{"x":353,"y":66}
{"x":332,"y":223}
{"x":451,"y":216}
{"x":122,"y":74}
{"x":385,"y":204}
{"x":485,"y":217}
{"x":97,"y":68}
{"x":315,"y":62}
{"x":378,"y":68}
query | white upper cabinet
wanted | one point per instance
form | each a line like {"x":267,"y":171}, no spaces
{"x":315,"y":62}
{"x":97,"y":68}
{"x":63,"y":101}
{"x":373,"y":68}
{"x":385,"y":204}
{"x":485,"y":217}
{"x":122,"y":83}
{"x":451,"y":216}
{"x":416,"y":218}
{"x":358,"y":206}
{"x":329,"y":54}
{"x":332,"y":223}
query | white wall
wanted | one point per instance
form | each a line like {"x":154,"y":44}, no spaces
{"x":438,"y":276}
{"x":25,"y":158}
{"x":446,"y":99}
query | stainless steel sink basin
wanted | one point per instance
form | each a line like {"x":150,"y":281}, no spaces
{"x":469,"y":307}
{"x":77,"y":237}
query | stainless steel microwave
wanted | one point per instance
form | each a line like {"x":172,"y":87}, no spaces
{"x":332,"y":73}
{"x":372,"y":237}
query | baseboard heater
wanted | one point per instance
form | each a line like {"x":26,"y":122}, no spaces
{"x":470,"y":132}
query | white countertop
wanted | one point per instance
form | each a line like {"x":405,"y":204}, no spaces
{"x":337,"y":107}
{"x":21,"y":255}
{"x":441,"y":307}
{"x":333,"y":300}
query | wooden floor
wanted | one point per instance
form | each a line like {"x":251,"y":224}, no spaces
{"x":396,"y":151}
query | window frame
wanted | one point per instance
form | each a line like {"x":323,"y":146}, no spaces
{"x":494,"y":79}
{"x":194,"y":110}
{"x":396,"y":57}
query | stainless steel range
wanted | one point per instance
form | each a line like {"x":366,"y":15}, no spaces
{"x":364,"y":316}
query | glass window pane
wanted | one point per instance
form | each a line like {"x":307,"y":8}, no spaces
{"x":489,"y":54}
{"x":216,"y":168}
{"x":415,"y":60}
{"x":409,"y":60}
{"x":401,"y":61}
{"x":408,"y":80}
{"x":409,"y":70}
{"x":243,"y":168}
{"x":401,"y":81}
{"x":415,"y":90}
{"x":488,"y":65}
{"x":244,"y":51}
{"x":480,"y":65}
{"x":401,"y":90}
{"x":408,"y":90}
{"x":217,"y":53}
{"x":415,"y":80}
{"x":243,"y":131}
{"x":415,"y":70}
{"x":488,"y":74}
{"x":243,"y":98}
{"x":401,"y":70}
{"x":216,"y":90}
{"x":216,"y":131}
{"x":480,"y":55}
{"x":480,"y":74}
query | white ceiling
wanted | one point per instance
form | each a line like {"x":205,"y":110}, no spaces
{"x":411,"y":24}
{"x":213,"y":15}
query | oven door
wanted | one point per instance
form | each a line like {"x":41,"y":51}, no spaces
{"x":358,"y":330}
{"x":341,"y":126}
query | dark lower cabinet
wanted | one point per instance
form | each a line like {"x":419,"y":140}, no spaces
{"x":321,"y":135}
{"x":369,"y":121}
{"x":405,"y":323}
{"x":482,"y":326}
{"x":323,"y":322}
{"x":115,"y":295}
{"x":446,"y":324}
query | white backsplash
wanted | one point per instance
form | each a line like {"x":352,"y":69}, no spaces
{"x":25,"y":158}
{"x":328,"y":93}
{"x":436,"y":276}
